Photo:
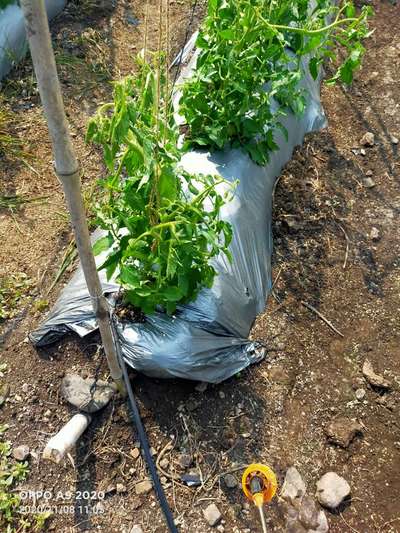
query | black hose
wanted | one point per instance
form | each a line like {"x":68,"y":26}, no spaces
{"x":141,"y":433}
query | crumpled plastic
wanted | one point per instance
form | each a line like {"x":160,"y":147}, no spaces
{"x":206,"y":340}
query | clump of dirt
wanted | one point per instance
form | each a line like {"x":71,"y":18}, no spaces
{"x":128,"y":312}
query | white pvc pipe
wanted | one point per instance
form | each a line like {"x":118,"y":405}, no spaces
{"x":66,"y":438}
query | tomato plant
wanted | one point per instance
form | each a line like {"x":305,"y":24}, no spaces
{"x":163,"y":224}
{"x":251,"y":58}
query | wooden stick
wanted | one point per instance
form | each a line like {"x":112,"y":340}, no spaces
{"x":66,"y":438}
{"x":67,"y":168}
{"x":321,"y":316}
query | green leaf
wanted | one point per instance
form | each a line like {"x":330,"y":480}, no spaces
{"x":227,"y":34}
{"x":313,"y":66}
{"x":103,"y":244}
{"x":172,"y":294}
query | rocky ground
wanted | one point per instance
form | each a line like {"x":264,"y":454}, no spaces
{"x":321,"y":409}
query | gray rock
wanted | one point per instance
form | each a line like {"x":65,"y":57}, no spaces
{"x":308,"y":513}
{"x":135,"y":453}
{"x":121,"y":488}
{"x":136,"y":529}
{"x":21,"y":453}
{"x":164,"y":463}
{"x":293,"y":488}
{"x":294,"y":526}
{"x":4,"y":393}
{"x":306,"y":518}
{"x":368,"y":139}
{"x":332,"y":490}
{"x":369,"y":183}
{"x":360,"y":393}
{"x":77,"y":391}
{"x":323,"y":526}
{"x":185,"y":460}
{"x":374,"y":379}
{"x":99,"y":508}
{"x":212,"y":515}
{"x":143,"y":487}
{"x":311,"y":517}
{"x":394,"y":139}
{"x":375,"y":234}
{"x":342,"y":431}
{"x":230,"y":481}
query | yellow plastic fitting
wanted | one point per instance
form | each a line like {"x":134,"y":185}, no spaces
{"x":269,"y":483}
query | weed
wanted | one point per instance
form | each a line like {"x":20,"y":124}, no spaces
{"x":14,"y":290}
{"x":12,"y":519}
{"x":14,"y":201}
{"x":10,"y":144}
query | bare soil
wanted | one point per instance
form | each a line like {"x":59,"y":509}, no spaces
{"x":325,"y":255}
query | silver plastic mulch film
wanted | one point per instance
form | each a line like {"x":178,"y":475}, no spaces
{"x":207,"y":340}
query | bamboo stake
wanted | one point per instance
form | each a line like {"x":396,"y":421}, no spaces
{"x":67,"y":168}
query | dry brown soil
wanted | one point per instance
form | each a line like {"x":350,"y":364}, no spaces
{"x":275,"y":412}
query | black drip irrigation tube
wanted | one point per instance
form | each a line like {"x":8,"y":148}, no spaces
{"x":134,"y":415}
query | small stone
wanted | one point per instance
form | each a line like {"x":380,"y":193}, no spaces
{"x":369,"y":183}
{"x":230,"y":481}
{"x":21,"y":453}
{"x":368,"y":139}
{"x":153,"y":452}
{"x":4,"y":393}
{"x":308,"y":514}
{"x":220,"y":528}
{"x":221,"y":394}
{"x":201,"y":387}
{"x":342,"y":431}
{"x":77,"y":391}
{"x":17,"y":398}
{"x":394,"y":140}
{"x":360,"y":393}
{"x":212,"y":515}
{"x":164,"y":463}
{"x":98,"y":508}
{"x":293,"y":488}
{"x":369,"y":173}
{"x":375,"y":234}
{"x":185,"y":460}
{"x":136,"y":529}
{"x":135,"y":452}
{"x":25,"y":388}
{"x":332,"y":490}
{"x":143,"y":487}
{"x":121,"y":489}
{"x":110,"y":489}
{"x":374,"y":379}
